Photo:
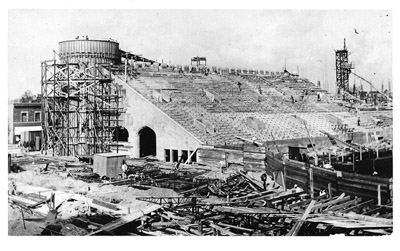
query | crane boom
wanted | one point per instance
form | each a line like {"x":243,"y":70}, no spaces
{"x":387,"y":96}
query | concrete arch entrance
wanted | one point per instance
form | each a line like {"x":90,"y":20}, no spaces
{"x":147,"y":142}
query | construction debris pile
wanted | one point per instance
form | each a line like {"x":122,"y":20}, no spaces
{"x":59,"y":196}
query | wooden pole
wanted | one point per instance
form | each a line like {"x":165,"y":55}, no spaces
{"x":330,"y":190}
{"x":379,"y":194}
{"x":354,"y":161}
{"x":284,"y":179}
{"x":311,"y":182}
{"x":200,"y":228}
{"x":226,"y":160}
{"x":361,"y":152}
{"x":23,"y":218}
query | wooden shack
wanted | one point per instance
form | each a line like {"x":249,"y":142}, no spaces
{"x":108,"y":164}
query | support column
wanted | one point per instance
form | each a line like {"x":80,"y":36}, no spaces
{"x":330,"y":190}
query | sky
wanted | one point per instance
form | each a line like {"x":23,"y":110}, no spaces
{"x":258,"y":39}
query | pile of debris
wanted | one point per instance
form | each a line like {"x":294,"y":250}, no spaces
{"x":157,"y":199}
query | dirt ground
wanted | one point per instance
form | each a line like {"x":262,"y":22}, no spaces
{"x":124,"y":194}
{"x":16,"y":224}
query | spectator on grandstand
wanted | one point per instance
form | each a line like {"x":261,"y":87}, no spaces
{"x":240,"y":86}
{"x":358,"y":121}
{"x":318,"y":97}
{"x":291,"y":97}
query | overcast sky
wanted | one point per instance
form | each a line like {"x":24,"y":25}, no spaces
{"x":259,"y":39}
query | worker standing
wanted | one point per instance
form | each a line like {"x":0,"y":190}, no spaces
{"x":222,"y":165}
{"x":124,"y":169}
{"x":264,"y":180}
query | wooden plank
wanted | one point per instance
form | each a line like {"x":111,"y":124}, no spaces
{"x":254,"y":196}
{"x":298,"y":224}
{"x":245,"y":210}
{"x":257,"y":187}
{"x":377,"y":231}
{"x":105,"y":204}
{"x":222,"y":230}
{"x":364,"y":217}
{"x":369,"y":202}
{"x":153,"y":233}
{"x":235,"y":227}
{"x":344,"y":205}
{"x":307,"y":201}
{"x":340,"y":199}
{"x":19,"y":199}
{"x":195,"y":189}
{"x":284,"y":196}
{"x":179,"y":232}
{"x":126,"y":219}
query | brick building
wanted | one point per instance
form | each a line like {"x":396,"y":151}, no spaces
{"x":27,"y":127}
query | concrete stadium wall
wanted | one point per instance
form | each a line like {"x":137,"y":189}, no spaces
{"x":169,"y":135}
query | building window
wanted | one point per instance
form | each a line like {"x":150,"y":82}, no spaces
{"x":194,"y":157}
{"x":174,"y":155}
{"x":37,"y":116}
{"x":24,"y":116}
{"x":167,"y":155}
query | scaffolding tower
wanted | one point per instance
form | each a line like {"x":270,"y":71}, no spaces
{"x":343,"y":69}
{"x":81,"y":106}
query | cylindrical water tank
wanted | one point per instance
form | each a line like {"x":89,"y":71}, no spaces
{"x":92,"y":51}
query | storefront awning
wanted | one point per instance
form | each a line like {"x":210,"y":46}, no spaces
{"x":20,"y":129}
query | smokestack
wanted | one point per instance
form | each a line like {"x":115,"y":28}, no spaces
{"x":389,"y":88}
{"x":382,"y":87}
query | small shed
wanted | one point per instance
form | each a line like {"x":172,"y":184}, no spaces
{"x":108,"y":164}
